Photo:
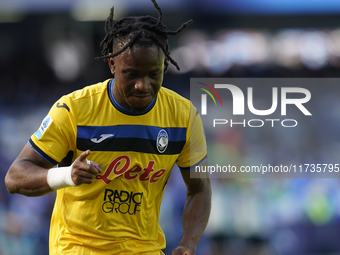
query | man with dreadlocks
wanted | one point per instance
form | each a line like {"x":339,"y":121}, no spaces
{"x":115,"y":144}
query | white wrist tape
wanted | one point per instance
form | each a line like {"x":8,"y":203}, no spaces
{"x":60,"y":177}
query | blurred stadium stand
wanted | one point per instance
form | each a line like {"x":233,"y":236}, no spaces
{"x":47,"y":49}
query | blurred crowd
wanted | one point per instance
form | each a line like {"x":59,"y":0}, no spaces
{"x":44,"y":57}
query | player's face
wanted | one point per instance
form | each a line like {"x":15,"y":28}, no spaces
{"x":138,"y":76}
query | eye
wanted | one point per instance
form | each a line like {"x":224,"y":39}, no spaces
{"x":154,"y":75}
{"x":130,"y":75}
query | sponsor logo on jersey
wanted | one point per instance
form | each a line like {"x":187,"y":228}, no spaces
{"x":44,"y":125}
{"x":205,"y":146}
{"x":122,"y":201}
{"x":162,"y":140}
{"x":63,"y":106}
{"x":102,"y":138}
{"x":120,"y":168}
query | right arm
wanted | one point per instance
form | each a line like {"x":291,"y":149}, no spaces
{"x":28,"y":173}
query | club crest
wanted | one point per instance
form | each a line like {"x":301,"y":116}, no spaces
{"x":162,"y":140}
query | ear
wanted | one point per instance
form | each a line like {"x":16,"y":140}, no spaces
{"x":166,"y":64}
{"x":112,"y":65}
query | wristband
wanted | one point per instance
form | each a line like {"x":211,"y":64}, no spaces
{"x":60,"y":177}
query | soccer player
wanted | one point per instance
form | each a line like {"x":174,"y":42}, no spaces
{"x":115,"y":143}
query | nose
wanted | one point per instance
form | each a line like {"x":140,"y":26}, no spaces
{"x":142,"y":84}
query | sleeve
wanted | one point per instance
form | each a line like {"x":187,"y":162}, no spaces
{"x":56,"y":134}
{"x":195,"y":149}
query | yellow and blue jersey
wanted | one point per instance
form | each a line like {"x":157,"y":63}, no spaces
{"x":118,"y":213}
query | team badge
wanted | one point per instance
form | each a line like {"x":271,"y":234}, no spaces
{"x":162,"y":141}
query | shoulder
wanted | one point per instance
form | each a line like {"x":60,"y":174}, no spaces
{"x":169,"y":98}
{"x":85,"y":97}
{"x":176,"y":103}
{"x":88,"y":91}
{"x":72,"y":105}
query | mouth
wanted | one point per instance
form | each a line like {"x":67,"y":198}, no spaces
{"x":141,"y":95}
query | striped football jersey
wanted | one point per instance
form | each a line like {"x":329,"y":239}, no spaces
{"x":118,"y":213}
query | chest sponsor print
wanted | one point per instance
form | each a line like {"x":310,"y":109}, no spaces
{"x":120,"y":168}
{"x":122,"y":201}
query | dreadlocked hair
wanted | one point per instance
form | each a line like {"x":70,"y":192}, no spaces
{"x":143,"y":30}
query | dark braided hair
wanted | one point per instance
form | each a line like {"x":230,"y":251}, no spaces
{"x":141,"y":30}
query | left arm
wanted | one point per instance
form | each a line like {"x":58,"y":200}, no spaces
{"x":196,"y":212}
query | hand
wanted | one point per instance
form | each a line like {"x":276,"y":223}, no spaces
{"x":82,"y":172}
{"x":182,"y":250}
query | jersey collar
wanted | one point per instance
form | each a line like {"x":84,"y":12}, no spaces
{"x":123,"y":109}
